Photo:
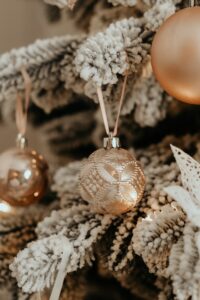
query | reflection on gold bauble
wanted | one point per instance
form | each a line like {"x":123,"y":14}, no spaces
{"x":23,"y":176}
{"x":176,"y":55}
{"x":112,"y":181}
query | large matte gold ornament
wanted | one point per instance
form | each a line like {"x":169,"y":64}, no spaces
{"x":176,"y":55}
{"x":23,"y":176}
{"x":112,"y":181}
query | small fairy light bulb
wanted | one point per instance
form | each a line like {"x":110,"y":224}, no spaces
{"x":111,"y":180}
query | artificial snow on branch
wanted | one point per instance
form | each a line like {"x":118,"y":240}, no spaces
{"x":162,"y":230}
{"x":160,"y":11}
{"x":43,"y":258}
{"x":81,"y":228}
{"x":122,"y":46}
{"x":123,"y":2}
{"x":151,"y":3}
{"x":121,"y":254}
{"x":103,"y":57}
{"x":54,"y":64}
{"x":68,"y":132}
{"x":184,"y":266}
{"x":84,"y":229}
{"x":66,"y":185}
{"x":157,"y":237}
{"x":62,"y":3}
{"x":16,"y":230}
{"x":150,"y":102}
{"x":45,"y":62}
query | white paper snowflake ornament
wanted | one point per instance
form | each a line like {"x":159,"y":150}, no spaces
{"x":187,"y":196}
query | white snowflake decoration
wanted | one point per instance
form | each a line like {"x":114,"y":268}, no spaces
{"x":187,"y":196}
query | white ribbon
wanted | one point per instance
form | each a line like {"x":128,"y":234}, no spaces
{"x":38,"y":296}
{"x":103,"y":109}
{"x":67,"y":250}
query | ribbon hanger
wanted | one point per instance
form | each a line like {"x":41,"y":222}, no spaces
{"x":22,"y":106}
{"x":103,"y":109}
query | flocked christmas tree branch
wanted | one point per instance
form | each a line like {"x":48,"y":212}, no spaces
{"x":160,"y":236}
{"x":54,"y":64}
{"x":126,"y":235}
{"x":62,"y":3}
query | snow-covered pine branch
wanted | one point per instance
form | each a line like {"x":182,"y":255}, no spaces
{"x":154,"y":244}
{"x":123,"y":2}
{"x":53,"y":63}
{"x":49,"y":64}
{"x":62,"y":3}
{"x":147,"y":102}
{"x":121,"y":253}
{"x":16,"y":230}
{"x":184,"y":265}
{"x":122,"y":46}
{"x":66,"y":184}
{"x":84,"y":230}
{"x":103,"y":57}
{"x":35,"y":267}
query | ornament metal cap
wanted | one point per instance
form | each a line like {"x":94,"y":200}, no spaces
{"x":21,"y":141}
{"x":111,"y":142}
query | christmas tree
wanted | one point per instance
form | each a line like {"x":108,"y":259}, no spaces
{"x":150,"y":252}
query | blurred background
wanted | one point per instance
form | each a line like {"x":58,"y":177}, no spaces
{"x":21,"y":23}
{"x":24,"y":21}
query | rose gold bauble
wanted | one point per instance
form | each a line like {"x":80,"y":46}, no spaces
{"x":112,"y":181}
{"x":23,"y":176}
{"x":176,"y":55}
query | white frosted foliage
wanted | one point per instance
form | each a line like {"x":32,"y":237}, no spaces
{"x":104,"y":56}
{"x":62,"y":3}
{"x":123,"y":2}
{"x":35,"y":267}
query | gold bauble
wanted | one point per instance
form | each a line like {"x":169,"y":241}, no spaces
{"x":112,"y":181}
{"x":176,"y":55}
{"x":23,"y":176}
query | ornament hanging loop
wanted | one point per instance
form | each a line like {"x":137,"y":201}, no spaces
{"x":111,"y":141}
{"x":22,"y":110}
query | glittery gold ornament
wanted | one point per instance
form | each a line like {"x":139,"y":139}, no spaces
{"x":23,"y":176}
{"x":175,"y":55}
{"x":112,"y":181}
